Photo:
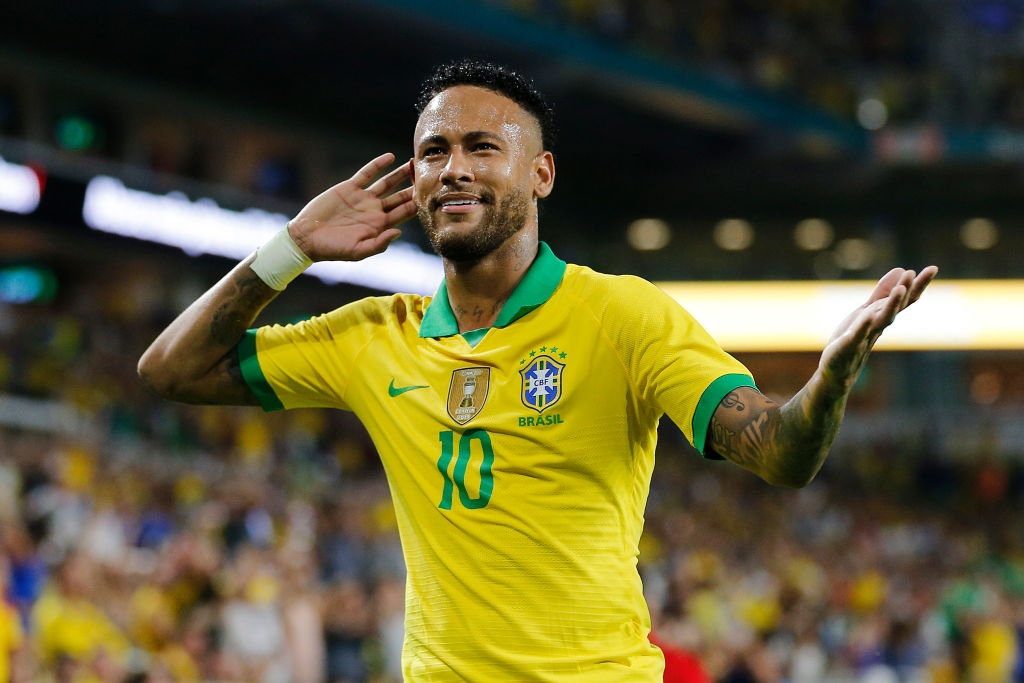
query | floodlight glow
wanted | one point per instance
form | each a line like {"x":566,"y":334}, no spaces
{"x":813,"y":234}
{"x":854,"y":253}
{"x":872,"y":113}
{"x":202,"y":227}
{"x":25,"y":284}
{"x":648,"y":234}
{"x":979,"y":234}
{"x":733,"y":234}
{"x":19,"y":188}
{"x":801,"y":316}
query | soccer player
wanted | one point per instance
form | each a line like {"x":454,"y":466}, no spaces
{"x":515,"y":411}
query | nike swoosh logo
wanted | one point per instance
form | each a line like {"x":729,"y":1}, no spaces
{"x":395,"y":391}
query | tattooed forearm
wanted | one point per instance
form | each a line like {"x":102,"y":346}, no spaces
{"x":234,"y":315}
{"x":784,"y":444}
{"x":193,"y":360}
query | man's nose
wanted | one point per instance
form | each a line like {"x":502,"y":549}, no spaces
{"x":458,"y":169}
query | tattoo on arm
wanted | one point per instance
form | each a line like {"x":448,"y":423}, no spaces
{"x":733,"y":401}
{"x":720,"y":435}
{"x":227,"y":325}
{"x":742,"y":432}
{"x":234,"y":315}
{"x":783,"y":444}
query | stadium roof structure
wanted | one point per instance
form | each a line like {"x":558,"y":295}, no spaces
{"x":640,"y":137}
{"x":356,"y":61}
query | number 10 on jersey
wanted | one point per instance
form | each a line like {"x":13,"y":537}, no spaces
{"x":465,"y":449}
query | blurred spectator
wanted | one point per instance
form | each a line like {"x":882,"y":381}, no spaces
{"x":73,"y":632}
{"x":251,"y":620}
{"x":302,"y":613}
{"x":12,"y":638}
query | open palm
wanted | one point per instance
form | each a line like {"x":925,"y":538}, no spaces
{"x":355,"y":219}
{"x":849,"y":346}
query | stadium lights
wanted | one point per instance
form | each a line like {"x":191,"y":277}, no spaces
{"x":872,"y":113}
{"x":648,"y":234}
{"x":19,"y":188}
{"x":854,"y":253}
{"x":733,"y":234}
{"x":800,"y":316}
{"x":979,"y":234}
{"x":77,"y":133}
{"x":200,"y":226}
{"x":813,"y":234}
{"x":27,"y":284}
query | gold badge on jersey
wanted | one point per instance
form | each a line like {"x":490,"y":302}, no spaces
{"x":468,"y":393}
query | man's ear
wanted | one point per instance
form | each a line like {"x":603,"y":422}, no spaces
{"x":543,"y":174}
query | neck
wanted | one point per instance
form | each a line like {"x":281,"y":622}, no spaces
{"x":478,"y":289}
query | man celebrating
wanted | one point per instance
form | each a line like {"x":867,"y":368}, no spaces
{"x":515,"y":412}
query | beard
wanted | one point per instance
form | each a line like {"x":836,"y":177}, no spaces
{"x":497,"y":224}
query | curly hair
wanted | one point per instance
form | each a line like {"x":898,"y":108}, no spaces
{"x":497,"y":78}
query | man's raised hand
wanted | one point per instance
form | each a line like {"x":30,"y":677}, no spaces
{"x":848,"y":349}
{"x":355,"y":219}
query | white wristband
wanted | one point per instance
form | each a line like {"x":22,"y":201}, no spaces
{"x":280,"y":261}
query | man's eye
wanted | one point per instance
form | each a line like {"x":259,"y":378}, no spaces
{"x":484,"y":145}
{"x":432,"y":151}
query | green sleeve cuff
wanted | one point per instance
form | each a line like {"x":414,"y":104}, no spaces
{"x":253,"y":374}
{"x":707,"y":404}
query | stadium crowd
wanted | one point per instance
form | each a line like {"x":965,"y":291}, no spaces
{"x":947,"y":63}
{"x":157,"y":542}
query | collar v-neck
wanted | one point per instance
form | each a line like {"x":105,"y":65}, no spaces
{"x":534,"y":289}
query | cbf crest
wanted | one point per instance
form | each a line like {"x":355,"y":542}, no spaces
{"x":468,"y":392}
{"x":542,"y":382}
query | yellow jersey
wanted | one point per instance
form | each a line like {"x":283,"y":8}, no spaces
{"x":519,"y":459}
{"x":11,"y":638}
{"x":74,"y":627}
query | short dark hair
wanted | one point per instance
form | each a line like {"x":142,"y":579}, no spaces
{"x":501,"y":80}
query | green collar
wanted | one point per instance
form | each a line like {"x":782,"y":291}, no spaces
{"x":535,"y":288}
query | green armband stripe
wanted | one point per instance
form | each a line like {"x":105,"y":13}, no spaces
{"x":253,"y":374}
{"x":709,"y":401}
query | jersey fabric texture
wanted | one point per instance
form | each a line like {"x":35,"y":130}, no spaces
{"x":519,"y":459}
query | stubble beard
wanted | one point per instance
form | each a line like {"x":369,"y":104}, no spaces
{"x":497,"y":224}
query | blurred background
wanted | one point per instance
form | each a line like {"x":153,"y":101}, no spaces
{"x":147,"y":146}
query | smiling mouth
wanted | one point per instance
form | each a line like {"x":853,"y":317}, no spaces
{"x":460,"y":203}
{"x":460,"y":206}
